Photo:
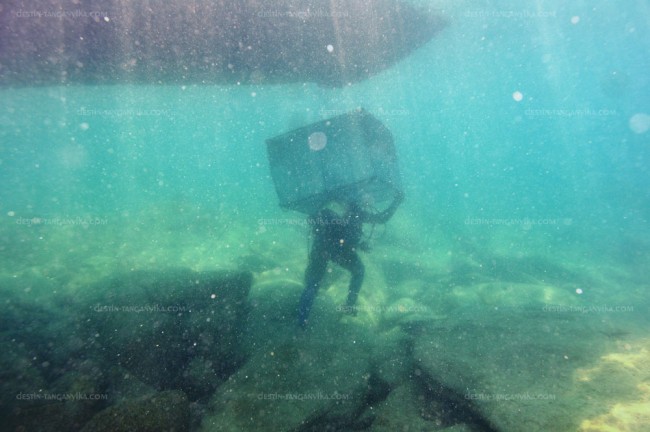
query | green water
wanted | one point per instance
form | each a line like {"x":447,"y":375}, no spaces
{"x":539,"y":204}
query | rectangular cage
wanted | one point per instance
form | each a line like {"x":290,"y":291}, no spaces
{"x":344,"y":158}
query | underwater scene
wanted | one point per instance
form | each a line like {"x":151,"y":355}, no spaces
{"x":341,"y":215}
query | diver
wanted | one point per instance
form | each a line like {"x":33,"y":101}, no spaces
{"x":337,"y":238}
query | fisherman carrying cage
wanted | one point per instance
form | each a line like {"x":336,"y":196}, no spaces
{"x":347,"y":161}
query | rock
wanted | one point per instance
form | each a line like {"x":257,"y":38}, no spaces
{"x":256,"y":263}
{"x":176,"y":329}
{"x":402,"y":411}
{"x":137,"y":333}
{"x":33,"y":326}
{"x":515,"y":367}
{"x":45,"y":384}
{"x":51,"y":416}
{"x":461,"y":427}
{"x":63,"y":405}
{"x":390,"y":357}
{"x":310,"y":379}
{"x":17,"y":376}
{"x":415,"y":405}
{"x":167,"y":411}
{"x":621,"y":378}
{"x":403,"y":311}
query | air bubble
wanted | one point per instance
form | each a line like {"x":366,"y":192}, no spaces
{"x":317,"y":141}
{"x":640,"y":123}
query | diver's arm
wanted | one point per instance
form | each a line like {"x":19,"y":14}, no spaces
{"x":384,"y":216}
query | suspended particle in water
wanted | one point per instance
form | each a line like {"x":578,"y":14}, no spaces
{"x":640,"y":123}
{"x":317,"y":141}
{"x":518,"y":96}
{"x":579,"y":291}
{"x":72,"y":156}
{"x":330,"y":48}
{"x":575,"y":19}
{"x":84,"y":126}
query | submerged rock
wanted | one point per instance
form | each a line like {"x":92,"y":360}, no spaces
{"x":322,"y":378}
{"x":256,"y":263}
{"x":401,"y":411}
{"x":46,"y":381}
{"x":136,"y":333}
{"x":48,"y":417}
{"x":173,"y":330}
{"x":167,"y":411}
{"x":514,"y":367}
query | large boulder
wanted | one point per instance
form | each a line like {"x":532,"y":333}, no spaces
{"x":136,"y":334}
{"x":176,"y":329}
{"x":517,"y":367}
{"x":47,"y":382}
{"x":408,"y":408}
{"x":167,"y":411}
{"x":321,"y":378}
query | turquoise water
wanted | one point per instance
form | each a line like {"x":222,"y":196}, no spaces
{"x":523,"y":138}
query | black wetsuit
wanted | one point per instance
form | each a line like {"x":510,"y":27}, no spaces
{"x":337,"y":238}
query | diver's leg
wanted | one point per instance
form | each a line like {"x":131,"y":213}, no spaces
{"x":351,"y":262}
{"x":313,"y":276}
